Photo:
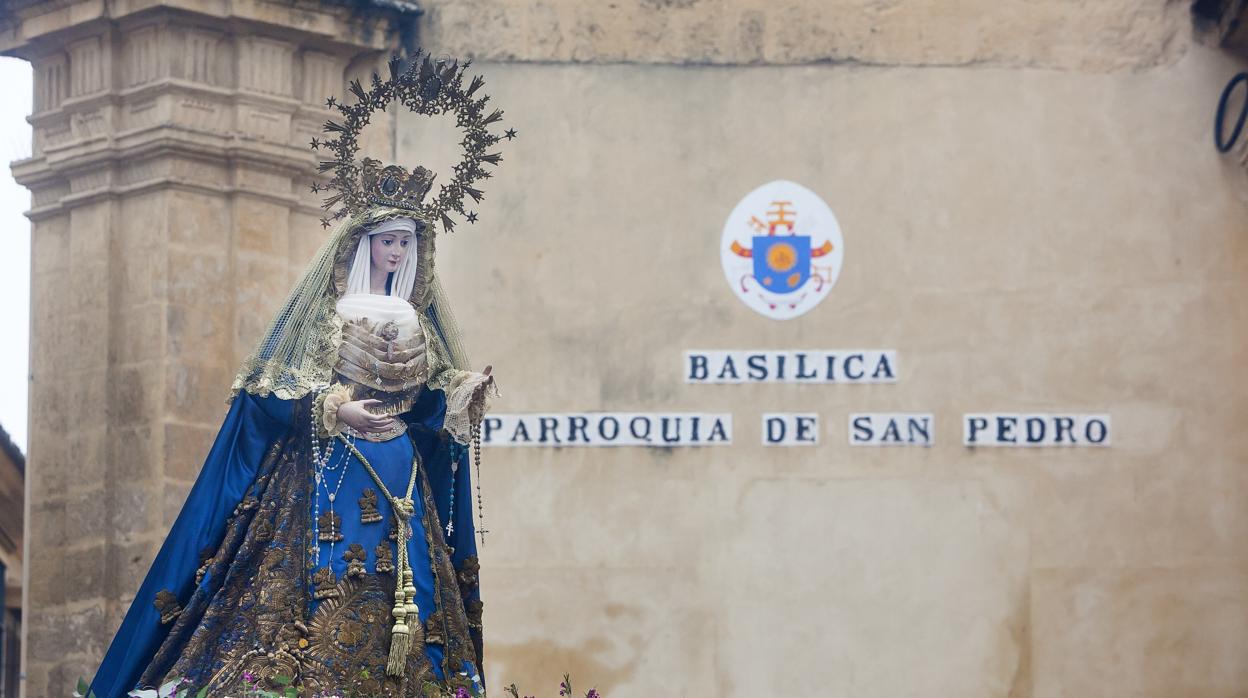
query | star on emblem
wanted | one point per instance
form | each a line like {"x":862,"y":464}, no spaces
{"x":331,"y":102}
{"x":316,"y":144}
{"x":472,"y":216}
{"x":511,"y":133}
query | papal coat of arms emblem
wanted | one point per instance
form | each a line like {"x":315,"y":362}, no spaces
{"x":782,"y":250}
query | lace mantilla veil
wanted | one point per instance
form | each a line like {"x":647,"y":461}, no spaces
{"x":298,"y":352}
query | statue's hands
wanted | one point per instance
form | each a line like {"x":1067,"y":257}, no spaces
{"x":478,"y":393}
{"x":355,"y":414}
{"x":486,"y":388}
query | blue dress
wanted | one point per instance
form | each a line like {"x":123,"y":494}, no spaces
{"x":262,"y":578}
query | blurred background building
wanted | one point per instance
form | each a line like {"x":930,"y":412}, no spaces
{"x":12,"y":481}
{"x":1035,"y":219}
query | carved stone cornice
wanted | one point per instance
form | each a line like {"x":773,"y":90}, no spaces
{"x":216,"y":97}
{"x":32,"y":27}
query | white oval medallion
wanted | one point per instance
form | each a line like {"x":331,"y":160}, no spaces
{"x":781,"y":250}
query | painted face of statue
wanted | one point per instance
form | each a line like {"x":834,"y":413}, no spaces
{"x":388,"y":251}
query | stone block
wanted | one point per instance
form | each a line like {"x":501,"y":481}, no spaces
{"x":85,"y":572}
{"x":88,"y":234}
{"x":86,"y":516}
{"x":196,"y":333}
{"x":86,"y":395}
{"x":135,"y":394}
{"x":196,"y":393}
{"x":138,"y":334}
{"x":196,"y":276}
{"x":47,"y":538}
{"x":133,"y":454}
{"x":63,"y":675}
{"x":173,"y":497}
{"x":132,"y":510}
{"x":186,"y":448}
{"x":126,"y":565}
{"x":261,"y":228}
{"x":49,"y":246}
{"x":37,"y":679}
{"x":198,"y":221}
{"x":47,"y":468}
{"x":87,"y":341}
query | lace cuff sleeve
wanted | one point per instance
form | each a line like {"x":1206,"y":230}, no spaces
{"x":467,"y":400}
{"x":326,"y":409}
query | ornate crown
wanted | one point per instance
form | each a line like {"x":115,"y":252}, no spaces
{"x":431,"y":87}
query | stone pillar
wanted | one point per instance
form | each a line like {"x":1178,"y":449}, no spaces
{"x":170,"y":212}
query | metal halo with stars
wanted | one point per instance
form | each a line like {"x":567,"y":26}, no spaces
{"x":428,"y":86}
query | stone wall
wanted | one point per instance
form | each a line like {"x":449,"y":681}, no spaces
{"x":170,"y":213}
{"x":1050,"y":229}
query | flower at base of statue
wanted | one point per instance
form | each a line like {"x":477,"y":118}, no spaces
{"x":593,"y":693}
{"x":271,"y":669}
{"x":462,"y":692}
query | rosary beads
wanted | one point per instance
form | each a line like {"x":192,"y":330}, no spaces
{"x":476,"y":458}
{"x":321,"y":467}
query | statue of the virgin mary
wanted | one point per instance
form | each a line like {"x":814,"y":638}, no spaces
{"x":329,"y":537}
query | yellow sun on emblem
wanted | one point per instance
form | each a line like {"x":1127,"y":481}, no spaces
{"x":781,"y":257}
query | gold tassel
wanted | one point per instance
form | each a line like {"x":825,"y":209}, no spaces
{"x":400,"y":637}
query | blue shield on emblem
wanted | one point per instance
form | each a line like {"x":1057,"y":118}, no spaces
{"x":781,"y":262}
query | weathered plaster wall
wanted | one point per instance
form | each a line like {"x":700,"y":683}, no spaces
{"x":1086,"y":35}
{"x":1026,"y":239}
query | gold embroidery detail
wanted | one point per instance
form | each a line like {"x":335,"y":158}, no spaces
{"x":249,"y":502}
{"x":352,"y":630}
{"x":368,"y":507}
{"x":325,"y":583}
{"x":355,"y":557}
{"x":264,"y":530}
{"x":385,"y":559}
{"x":168,"y":606}
{"x":434,"y":632}
{"x":469,"y":574}
{"x":206,"y":556}
{"x":330,"y":525}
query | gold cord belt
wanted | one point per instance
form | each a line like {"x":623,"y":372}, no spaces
{"x":405,"y":594}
